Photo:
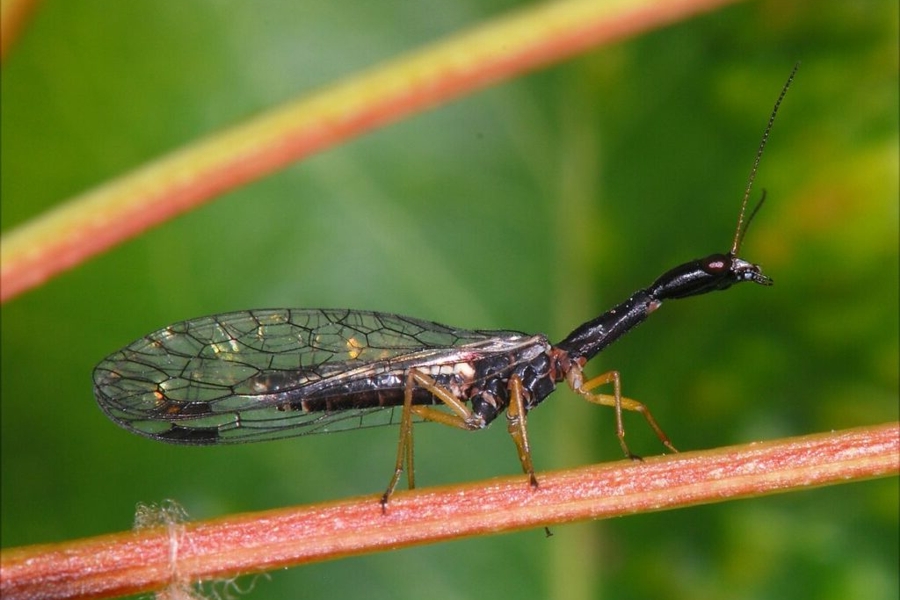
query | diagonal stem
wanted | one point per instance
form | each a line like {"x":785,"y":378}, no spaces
{"x":198,"y":172}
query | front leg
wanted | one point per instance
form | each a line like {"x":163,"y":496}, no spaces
{"x":617,"y":401}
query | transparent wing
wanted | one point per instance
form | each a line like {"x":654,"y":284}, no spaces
{"x":253,"y":375}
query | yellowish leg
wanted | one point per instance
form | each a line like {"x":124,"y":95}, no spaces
{"x":618,"y":402}
{"x":460,"y":417}
{"x":404,"y":454}
{"x":515,"y":423}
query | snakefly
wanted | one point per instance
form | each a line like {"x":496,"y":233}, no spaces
{"x":261,"y":375}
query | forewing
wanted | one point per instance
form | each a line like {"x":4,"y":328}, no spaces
{"x":225,"y":378}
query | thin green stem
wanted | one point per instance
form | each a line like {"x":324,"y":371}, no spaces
{"x":187,"y":177}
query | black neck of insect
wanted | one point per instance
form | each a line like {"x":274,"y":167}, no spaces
{"x":715,"y":272}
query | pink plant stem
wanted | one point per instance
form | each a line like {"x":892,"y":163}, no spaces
{"x":157,"y":558}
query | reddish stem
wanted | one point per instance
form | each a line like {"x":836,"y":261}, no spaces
{"x":161,"y":557}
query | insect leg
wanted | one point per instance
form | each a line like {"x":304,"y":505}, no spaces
{"x":461,"y":417}
{"x":404,"y":446}
{"x":515,"y":422}
{"x":617,"y":401}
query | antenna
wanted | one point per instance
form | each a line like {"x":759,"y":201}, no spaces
{"x":742,"y":225}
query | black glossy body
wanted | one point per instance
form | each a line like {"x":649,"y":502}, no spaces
{"x":268,"y":374}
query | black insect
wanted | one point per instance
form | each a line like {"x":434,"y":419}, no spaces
{"x":267,"y":374}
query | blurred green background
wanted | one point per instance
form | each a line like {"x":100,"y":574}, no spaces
{"x":533,"y":205}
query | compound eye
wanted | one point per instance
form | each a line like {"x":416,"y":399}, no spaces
{"x":716,"y":264}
